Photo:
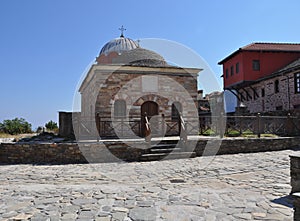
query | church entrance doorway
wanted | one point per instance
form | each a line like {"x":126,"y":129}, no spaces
{"x":149,"y":109}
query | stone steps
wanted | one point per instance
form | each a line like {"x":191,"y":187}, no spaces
{"x":167,"y":156}
{"x":166,"y":150}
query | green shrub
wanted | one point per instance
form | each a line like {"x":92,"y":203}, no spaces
{"x":248,"y":132}
{"x":209,"y":132}
{"x":15,"y":126}
{"x":233,"y":133}
{"x":51,"y":125}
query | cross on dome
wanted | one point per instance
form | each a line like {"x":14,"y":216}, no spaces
{"x":122,"y":29}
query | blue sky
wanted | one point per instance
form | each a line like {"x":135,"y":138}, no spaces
{"x":46,"y":45}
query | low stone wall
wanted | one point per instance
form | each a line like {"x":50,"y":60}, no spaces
{"x":40,"y":154}
{"x":242,"y":145}
{"x":66,"y":153}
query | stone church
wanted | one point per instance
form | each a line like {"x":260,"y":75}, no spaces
{"x":128,"y":89}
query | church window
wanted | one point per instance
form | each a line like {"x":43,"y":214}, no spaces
{"x":120,"y":108}
{"x":297,"y":83}
{"x":176,"y":110}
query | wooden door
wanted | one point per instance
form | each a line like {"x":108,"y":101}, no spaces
{"x":150,"y":109}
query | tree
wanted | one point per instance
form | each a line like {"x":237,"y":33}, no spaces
{"x":1,"y":128}
{"x":15,"y":126}
{"x":39,"y":129}
{"x":51,"y":125}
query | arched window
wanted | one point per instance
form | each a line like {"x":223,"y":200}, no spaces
{"x":176,"y":110}
{"x":276,"y":86}
{"x":120,"y":108}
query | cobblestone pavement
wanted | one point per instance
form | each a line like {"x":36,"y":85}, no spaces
{"x":232,"y":187}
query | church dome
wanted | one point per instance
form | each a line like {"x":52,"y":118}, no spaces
{"x":140,"y":57}
{"x":126,"y":51}
{"x":118,"y":45}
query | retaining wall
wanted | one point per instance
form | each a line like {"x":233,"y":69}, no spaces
{"x":66,"y":153}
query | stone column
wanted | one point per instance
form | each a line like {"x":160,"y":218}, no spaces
{"x":296,"y":203}
{"x":295,"y":173}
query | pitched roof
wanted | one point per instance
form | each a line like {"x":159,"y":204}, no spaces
{"x":260,"y":46}
{"x":272,"y":47}
{"x":291,"y":66}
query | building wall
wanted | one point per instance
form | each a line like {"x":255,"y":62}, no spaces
{"x":236,"y":77}
{"x":129,"y":87}
{"x":68,"y":123}
{"x":269,"y":63}
{"x":65,"y":124}
{"x":99,"y":96}
{"x":285,"y":99}
{"x":165,"y":90}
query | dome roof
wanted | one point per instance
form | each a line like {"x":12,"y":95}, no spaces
{"x":140,"y":57}
{"x":126,"y":51}
{"x":118,"y":45}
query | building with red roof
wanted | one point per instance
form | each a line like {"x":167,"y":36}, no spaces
{"x":265,"y":77}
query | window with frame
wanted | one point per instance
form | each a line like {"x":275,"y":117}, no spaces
{"x":226,"y":73}
{"x":297,"y":83}
{"x":120,"y":108}
{"x":237,"y":67}
{"x":255,"y":65}
{"x":176,"y":110}
{"x":276,"y":86}
{"x":231,"y":70}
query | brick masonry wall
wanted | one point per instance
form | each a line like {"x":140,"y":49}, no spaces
{"x":163,"y":90}
{"x":66,"y":153}
{"x":102,"y":88}
{"x":129,"y":87}
{"x":241,"y":145}
{"x":285,"y":99}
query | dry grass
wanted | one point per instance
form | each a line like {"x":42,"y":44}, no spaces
{"x":19,"y":136}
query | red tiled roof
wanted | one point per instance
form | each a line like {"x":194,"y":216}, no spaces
{"x":284,"y":47}
{"x":272,"y":47}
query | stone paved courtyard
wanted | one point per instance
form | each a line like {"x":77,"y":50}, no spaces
{"x":228,"y":187}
